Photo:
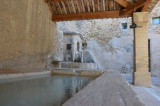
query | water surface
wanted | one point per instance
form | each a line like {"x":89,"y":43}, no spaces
{"x":46,"y":91}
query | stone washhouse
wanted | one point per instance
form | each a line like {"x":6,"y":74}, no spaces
{"x":108,"y":38}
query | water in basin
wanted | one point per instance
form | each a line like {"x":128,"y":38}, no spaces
{"x":46,"y":91}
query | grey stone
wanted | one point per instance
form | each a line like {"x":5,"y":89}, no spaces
{"x":110,"y":89}
{"x":128,"y":48}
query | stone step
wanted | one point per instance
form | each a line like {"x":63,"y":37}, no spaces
{"x":77,"y":65}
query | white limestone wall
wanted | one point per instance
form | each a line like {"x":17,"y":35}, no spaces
{"x":76,"y":38}
{"x":154,"y":35}
{"x":111,"y":45}
{"x":155,"y":54}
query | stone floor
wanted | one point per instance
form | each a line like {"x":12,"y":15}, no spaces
{"x":150,"y":96}
{"x":110,"y":89}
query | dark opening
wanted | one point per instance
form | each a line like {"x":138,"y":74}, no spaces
{"x":78,"y":46}
{"x":69,"y":46}
{"x":149,"y":54}
{"x":124,"y":25}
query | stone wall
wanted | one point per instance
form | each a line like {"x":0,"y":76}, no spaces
{"x":106,"y":39}
{"x":154,"y":29}
{"x":154,"y":35}
{"x":113,"y":46}
{"x":26,"y":33}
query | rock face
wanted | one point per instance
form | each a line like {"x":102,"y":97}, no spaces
{"x":112,"y":44}
{"x":26,"y":33}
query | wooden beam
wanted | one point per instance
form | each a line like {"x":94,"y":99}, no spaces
{"x":84,"y":16}
{"x":64,"y":7}
{"x":123,"y":3}
{"x":104,"y":5}
{"x":73,"y":6}
{"x":50,"y":7}
{"x":54,"y":8}
{"x":69,"y":9}
{"x":133,"y":7}
{"x":146,"y":5}
{"x":93,"y":6}
{"x":98,"y":5}
{"x":88,"y":6}
{"x":78,"y":6}
{"x":83,"y":6}
{"x":60,"y":9}
{"x":51,"y":1}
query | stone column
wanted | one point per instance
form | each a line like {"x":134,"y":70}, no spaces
{"x":142,"y":76}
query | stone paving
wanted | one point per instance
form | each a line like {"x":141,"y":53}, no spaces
{"x":110,"y":89}
{"x":150,"y":96}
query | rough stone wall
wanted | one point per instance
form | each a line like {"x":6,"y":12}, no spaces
{"x":154,"y":29}
{"x":26,"y":33}
{"x":154,"y":35}
{"x":111,"y":45}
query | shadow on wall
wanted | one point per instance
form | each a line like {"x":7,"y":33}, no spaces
{"x":27,"y":33}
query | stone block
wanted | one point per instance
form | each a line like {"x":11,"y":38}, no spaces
{"x":142,"y":79}
{"x":141,"y":16}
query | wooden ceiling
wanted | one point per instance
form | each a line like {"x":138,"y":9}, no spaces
{"x":65,"y":10}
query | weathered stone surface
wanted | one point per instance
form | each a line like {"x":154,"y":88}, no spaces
{"x":142,"y":79}
{"x":110,"y":89}
{"x":26,"y":33}
{"x":146,"y":95}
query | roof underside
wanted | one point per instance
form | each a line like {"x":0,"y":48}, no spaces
{"x":64,"y":10}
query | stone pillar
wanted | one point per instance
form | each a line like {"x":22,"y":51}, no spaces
{"x":142,"y":76}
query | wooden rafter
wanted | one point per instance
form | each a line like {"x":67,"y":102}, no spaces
{"x":103,"y":5}
{"x":69,"y":9}
{"x":83,"y":6}
{"x":60,"y":9}
{"x":93,"y":5}
{"x":133,"y":7}
{"x":51,"y":1}
{"x":90,"y":15}
{"x":73,"y":6}
{"x":88,"y":6}
{"x":64,"y":10}
{"x":98,"y":5}
{"x":123,"y":3}
{"x":78,"y":7}
{"x":146,"y":5}
{"x":50,"y":7}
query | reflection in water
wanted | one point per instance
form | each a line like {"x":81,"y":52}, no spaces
{"x":48,"y":91}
